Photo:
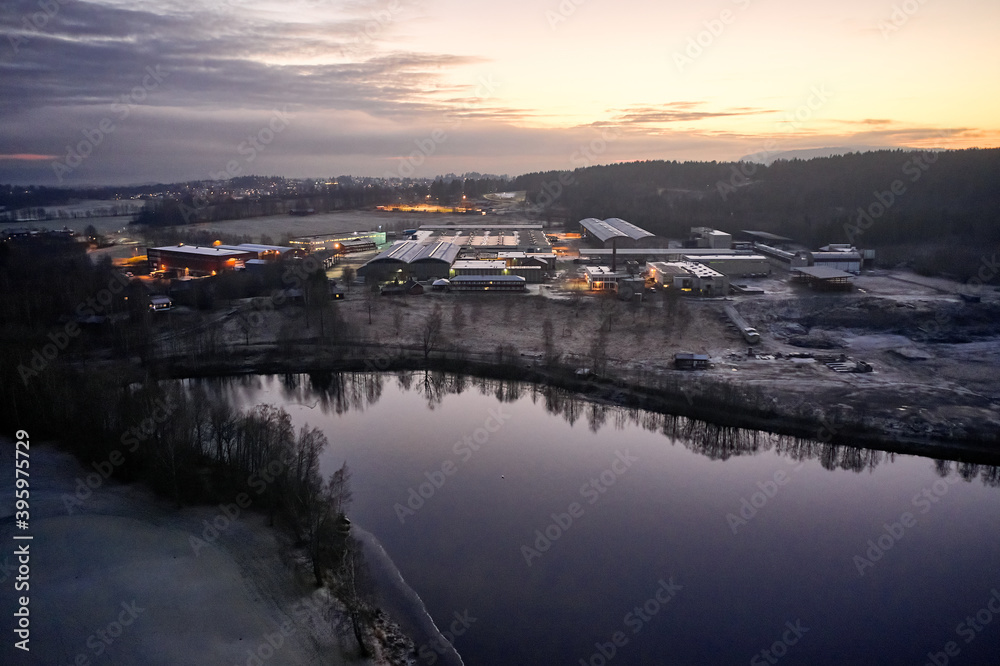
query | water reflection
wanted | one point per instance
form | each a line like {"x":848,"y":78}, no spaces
{"x":336,"y":393}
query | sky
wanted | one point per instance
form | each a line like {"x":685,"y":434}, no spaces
{"x":126,"y":91}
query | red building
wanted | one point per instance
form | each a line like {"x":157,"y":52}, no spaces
{"x":196,"y":260}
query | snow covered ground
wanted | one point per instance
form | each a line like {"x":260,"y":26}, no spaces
{"x":118,"y":581}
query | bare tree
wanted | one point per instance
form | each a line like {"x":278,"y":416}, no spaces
{"x":430,"y":331}
{"x":371,"y":298}
{"x":348,"y":276}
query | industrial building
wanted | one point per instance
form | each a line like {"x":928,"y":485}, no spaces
{"x":602,"y":278}
{"x":333,"y":242}
{"x":705,"y":237}
{"x":404,"y":259}
{"x":487,"y":283}
{"x":841,"y":260}
{"x":264,"y":252}
{"x":488,"y":238}
{"x":615,"y":232}
{"x":734,"y":265}
{"x":783,"y":258}
{"x":479,"y":267}
{"x":689,"y":276}
{"x":197,"y":260}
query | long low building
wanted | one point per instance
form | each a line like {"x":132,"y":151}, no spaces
{"x":267,"y":252}
{"x":319,"y":242}
{"x":487,"y":283}
{"x":404,"y":259}
{"x":197,"y":260}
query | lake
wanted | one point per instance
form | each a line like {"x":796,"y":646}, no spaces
{"x":543,"y":529}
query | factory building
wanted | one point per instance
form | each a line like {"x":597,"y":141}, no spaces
{"x":331,"y":242}
{"x":405,"y":259}
{"x":647,"y":254}
{"x":615,"y":232}
{"x":841,"y":260}
{"x":734,"y":265}
{"x":264,"y":252}
{"x":479,"y":239}
{"x":487,"y":283}
{"x":602,"y":278}
{"x":689,"y":276}
{"x":479,"y":267}
{"x":530,"y":273}
{"x":704,"y":237}
{"x":782,"y":258}
{"x":196,"y":260}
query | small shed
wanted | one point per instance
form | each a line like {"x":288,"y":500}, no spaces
{"x":688,"y":361}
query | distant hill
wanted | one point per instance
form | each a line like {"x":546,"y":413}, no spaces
{"x":943,"y":201}
{"x":811,"y":153}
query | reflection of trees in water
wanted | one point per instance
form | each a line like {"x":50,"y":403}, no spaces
{"x":339,"y":392}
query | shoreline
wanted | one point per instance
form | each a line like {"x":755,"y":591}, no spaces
{"x":746,"y":409}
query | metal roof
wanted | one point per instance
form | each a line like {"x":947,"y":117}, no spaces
{"x":836,"y":256}
{"x":766,"y":235}
{"x":479,"y":263}
{"x":686,"y":268}
{"x":256,"y":247}
{"x":724,"y":257}
{"x":492,"y":278}
{"x":823,"y":273}
{"x":203,"y":251}
{"x":613,"y":227}
{"x":407,"y":252}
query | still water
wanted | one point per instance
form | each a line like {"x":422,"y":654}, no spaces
{"x":544,"y":529}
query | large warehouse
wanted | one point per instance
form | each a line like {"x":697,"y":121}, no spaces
{"x":615,"y":232}
{"x":196,"y":260}
{"x":489,"y":238}
{"x":421,"y":261}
